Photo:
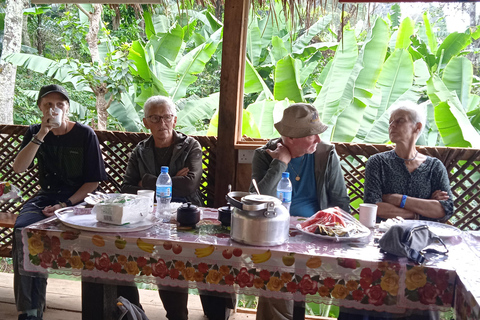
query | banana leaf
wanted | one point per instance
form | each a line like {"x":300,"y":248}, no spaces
{"x":254,"y":39}
{"x":167,"y":46}
{"x":395,"y":78}
{"x":254,"y":82}
{"x":304,"y":40}
{"x":421,"y":73}
{"x":431,"y":38}
{"x":278,"y":50}
{"x":197,"y":110}
{"x":453,"y":44}
{"x":58,"y":70}
{"x":454,"y":127}
{"x":287,"y":80}
{"x":328,"y":100}
{"x":124,"y":111}
{"x":458,"y":77}
{"x":265,"y":113}
{"x":192,"y":63}
{"x":405,"y":31}
{"x":364,"y":77}
{"x":249,"y":128}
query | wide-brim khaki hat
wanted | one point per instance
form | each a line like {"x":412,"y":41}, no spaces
{"x":300,"y":120}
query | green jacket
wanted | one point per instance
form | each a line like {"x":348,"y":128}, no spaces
{"x":331,"y":190}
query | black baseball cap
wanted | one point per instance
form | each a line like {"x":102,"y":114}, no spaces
{"x":51,"y":88}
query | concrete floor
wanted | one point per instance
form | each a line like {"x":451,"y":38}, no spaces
{"x":63,"y":302}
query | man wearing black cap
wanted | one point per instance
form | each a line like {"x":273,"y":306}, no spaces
{"x":316,"y":176}
{"x":70,"y":165}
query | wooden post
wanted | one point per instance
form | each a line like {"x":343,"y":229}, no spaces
{"x":231,"y":95}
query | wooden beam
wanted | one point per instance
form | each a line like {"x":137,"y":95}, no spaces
{"x":231,"y":94}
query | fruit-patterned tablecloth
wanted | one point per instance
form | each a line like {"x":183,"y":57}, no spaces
{"x":352,"y":274}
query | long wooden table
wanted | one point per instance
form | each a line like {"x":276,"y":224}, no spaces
{"x":349,"y":274}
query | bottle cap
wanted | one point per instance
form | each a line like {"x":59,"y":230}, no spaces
{"x":164,"y":169}
{"x":285,"y":174}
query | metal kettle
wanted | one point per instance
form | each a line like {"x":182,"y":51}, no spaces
{"x":258,"y":220}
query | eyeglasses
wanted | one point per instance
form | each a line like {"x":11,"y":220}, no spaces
{"x":154,"y":118}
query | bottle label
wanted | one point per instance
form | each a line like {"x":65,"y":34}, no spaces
{"x":284,"y":196}
{"x":164,"y":191}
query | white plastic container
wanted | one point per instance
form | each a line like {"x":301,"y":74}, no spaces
{"x":126,"y":208}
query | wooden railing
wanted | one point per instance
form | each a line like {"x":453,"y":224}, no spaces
{"x":462,"y":164}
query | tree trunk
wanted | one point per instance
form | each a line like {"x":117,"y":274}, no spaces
{"x":92,"y":35}
{"x":12,"y":42}
{"x":40,"y":43}
{"x":101,"y":105}
{"x":25,"y":35}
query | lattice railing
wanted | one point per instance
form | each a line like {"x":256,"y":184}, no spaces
{"x":462,"y":166}
{"x":116,"y":148}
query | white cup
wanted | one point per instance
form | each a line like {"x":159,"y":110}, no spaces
{"x":150,"y":194}
{"x":56,"y":117}
{"x":368,"y":214}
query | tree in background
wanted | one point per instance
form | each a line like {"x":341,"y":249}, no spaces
{"x":12,"y":41}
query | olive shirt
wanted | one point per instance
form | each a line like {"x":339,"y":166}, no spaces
{"x":386,"y":173}
{"x":185,"y":152}
{"x":330,"y":184}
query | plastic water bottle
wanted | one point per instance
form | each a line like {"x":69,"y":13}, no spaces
{"x":164,"y":195}
{"x":284,"y":190}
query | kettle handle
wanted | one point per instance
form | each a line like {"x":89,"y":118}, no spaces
{"x":234,"y":202}
{"x":246,"y":207}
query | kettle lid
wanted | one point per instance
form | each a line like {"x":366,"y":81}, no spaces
{"x":260,"y":198}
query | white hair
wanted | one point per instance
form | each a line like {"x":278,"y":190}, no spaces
{"x":159,"y":101}
{"x":416,"y":113}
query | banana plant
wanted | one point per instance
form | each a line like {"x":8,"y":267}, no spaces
{"x":165,"y":66}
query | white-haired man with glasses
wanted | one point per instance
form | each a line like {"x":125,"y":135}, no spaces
{"x":183,"y":155}
{"x":165,"y":147}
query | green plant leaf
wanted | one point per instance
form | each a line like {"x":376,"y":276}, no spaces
{"x":254,"y":82}
{"x":431,"y":38}
{"x":287,"y":80}
{"x":458,"y":77}
{"x":254,"y":39}
{"x":197,"y":110}
{"x":395,"y":78}
{"x":454,"y":127}
{"x":364,"y":77}
{"x":167,"y":46}
{"x":278,"y":50}
{"x":328,"y":100}
{"x":190,"y":64}
{"x":266,"y":113}
{"x":124,"y":111}
{"x":249,"y":128}
{"x":453,"y":44}
{"x":404,"y":33}
{"x":304,"y":40}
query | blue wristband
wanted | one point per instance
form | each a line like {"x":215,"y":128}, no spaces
{"x":404,"y":199}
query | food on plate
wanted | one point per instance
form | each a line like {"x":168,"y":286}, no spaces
{"x":333,"y":222}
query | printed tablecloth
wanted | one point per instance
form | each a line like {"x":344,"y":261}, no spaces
{"x":351,"y":274}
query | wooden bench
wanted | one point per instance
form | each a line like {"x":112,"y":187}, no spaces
{"x":7,"y":221}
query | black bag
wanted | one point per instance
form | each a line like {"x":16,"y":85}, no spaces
{"x":410,"y":241}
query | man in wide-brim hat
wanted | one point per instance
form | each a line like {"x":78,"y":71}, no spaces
{"x":316,"y":177}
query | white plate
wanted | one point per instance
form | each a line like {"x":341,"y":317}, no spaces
{"x":364,"y":232}
{"x":89,"y":222}
{"x":476,"y":234}
{"x":440,"y":229}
